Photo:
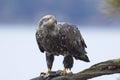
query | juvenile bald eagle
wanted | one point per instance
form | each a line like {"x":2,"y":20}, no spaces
{"x":60,"y":38}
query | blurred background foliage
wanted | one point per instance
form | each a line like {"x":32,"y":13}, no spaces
{"x":112,"y":7}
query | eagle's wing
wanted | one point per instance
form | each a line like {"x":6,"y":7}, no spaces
{"x":73,"y":39}
{"x":38,"y":41}
{"x":82,"y":40}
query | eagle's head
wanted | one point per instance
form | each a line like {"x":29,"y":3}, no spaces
{"x":47,"y":22}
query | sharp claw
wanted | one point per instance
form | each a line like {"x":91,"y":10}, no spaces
{"x":70,"y":73}
{"x":65,"y":72}
{"x":44,"y":74}
{"x":49,"y":70}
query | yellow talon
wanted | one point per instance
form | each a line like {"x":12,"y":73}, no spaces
{"x":70,"y":73}
{"x":64,"y":71}
{"x":45,"y":73}
{"x":49,"y":70}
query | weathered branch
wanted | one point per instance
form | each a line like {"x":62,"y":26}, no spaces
{"x":103,"y":68}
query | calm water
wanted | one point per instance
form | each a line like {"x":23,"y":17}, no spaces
{"x":21,"y":59}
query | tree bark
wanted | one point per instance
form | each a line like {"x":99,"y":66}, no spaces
{"x":102,"y":68}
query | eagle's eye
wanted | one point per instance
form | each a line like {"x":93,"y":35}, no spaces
{"x":46,"y":19}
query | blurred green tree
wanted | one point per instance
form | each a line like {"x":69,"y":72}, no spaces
{"x":112,"y":7}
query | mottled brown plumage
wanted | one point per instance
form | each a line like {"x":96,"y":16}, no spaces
{"x":57,"y":38}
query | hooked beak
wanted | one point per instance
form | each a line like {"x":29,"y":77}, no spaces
{"x":52,"y":21}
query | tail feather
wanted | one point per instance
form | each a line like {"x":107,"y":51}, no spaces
{"x":83,"y":57}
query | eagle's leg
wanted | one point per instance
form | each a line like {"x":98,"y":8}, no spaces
{"x":49,"y":60}
{"x":68,"y":63}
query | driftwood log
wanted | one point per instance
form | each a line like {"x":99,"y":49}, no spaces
{"x":102,"y":68}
